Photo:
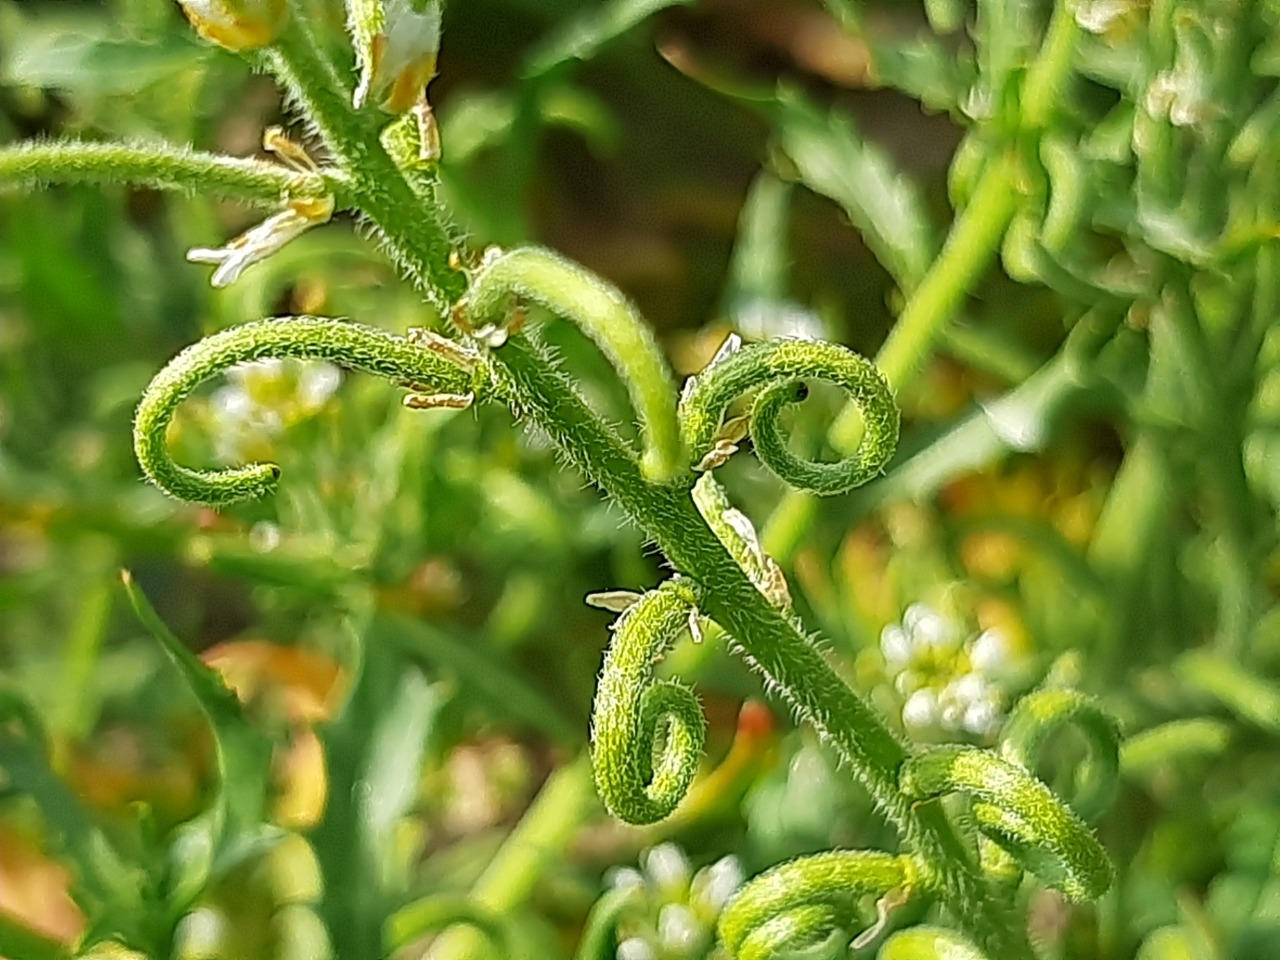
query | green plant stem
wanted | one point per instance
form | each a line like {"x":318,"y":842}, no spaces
{"x":417,"y":235}
{"x":1221,"y":442}
{"x":966,"y":254}
{"x":164,"y":167}
{"x":968,"y":251}
{"x":769,"y":639}
{"x":1043,"y":89}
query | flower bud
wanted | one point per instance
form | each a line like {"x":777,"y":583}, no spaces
{"x":237,"y":24}
{"x":396,"y":42}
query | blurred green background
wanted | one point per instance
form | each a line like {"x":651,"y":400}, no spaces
{"x":408,"y":611}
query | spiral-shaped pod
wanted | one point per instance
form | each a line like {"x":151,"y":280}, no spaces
{"x":807,"y":902}
{"x":775,"y":371}
{"x":646,"y":734}
{"x":350,"y":345}
{"x":1019,"y":813}
{"x":1041,"y":714}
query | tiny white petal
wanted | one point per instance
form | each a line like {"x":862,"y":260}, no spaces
{"x":895,"y":645}
{"x":678,"y":929}
{"x":980,"y":717}
{"x":732,"y":344}
{"x":668,"y":867}
{"x":921,"y":709}
{"x":230,"y":403}
{"x":907,"y":682}
{"x":318,"y":383}
{"x":970,"y":687}
{"x":633,"y":948}
{"x":990,"y":651}
{"x":624,"y":878}
{"x":719,"y":882}
{"x":687,"y":390}
{"x":928,"y":627}
{"x":615,"y":601}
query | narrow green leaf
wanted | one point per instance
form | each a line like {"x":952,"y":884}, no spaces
{"x":80,"y":55}
{"x":23,"y":943}
{"x":236,"y":822}
{"x":583,"y":36}
{"x":396,"y":756}
{"x":833,"y":159}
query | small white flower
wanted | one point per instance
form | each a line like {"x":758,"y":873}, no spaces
{"x":262,"y":398}
{"x":260,"y":242}
{"x":400,"y":58}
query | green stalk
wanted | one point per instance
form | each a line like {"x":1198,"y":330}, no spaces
{"x":417,"y":235}
{"x":771,"y":643}
{"x":565,"y":801}
{"x":163,"y":167}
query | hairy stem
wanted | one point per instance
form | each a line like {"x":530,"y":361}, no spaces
{"x":418,"y":235}
{"x":769,"y":640}
{"x":352,"y":345}
{"x":164,"y":167}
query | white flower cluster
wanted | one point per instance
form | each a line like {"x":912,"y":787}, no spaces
{"x":948,"y":680}
{"x":684,"y":905}
{"x":262,"y":399}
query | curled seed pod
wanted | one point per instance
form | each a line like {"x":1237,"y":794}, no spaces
{"x":1019,"y":813}
{"x":537,"y":275}
{"x":806,"y":902}
{"x":928,"y":943}
{"x":646,"y":734}
{"x":1039,"y":715}
{"x":775,"y":369}
{"x":349,"y":345}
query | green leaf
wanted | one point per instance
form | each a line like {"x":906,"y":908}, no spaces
{"x":235,"y":826}
{"x":22,"y":942}
{"x":833,"y":159}
{"x":395,"y":757}
{"x":81,"y":55}
{"x":583,"y":36}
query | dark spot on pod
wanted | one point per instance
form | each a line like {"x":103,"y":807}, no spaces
{"x":799,"y":391}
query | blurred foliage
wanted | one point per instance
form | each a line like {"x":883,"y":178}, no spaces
{"x":1086,"y":492}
